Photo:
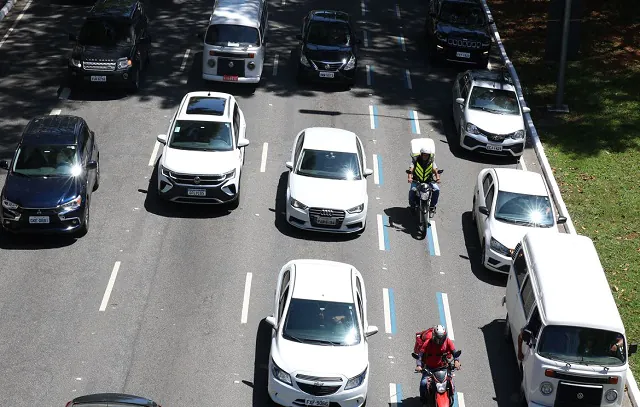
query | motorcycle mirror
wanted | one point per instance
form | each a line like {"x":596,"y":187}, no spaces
{"x":457,"y":353}
{"x":414,"y":355}
{"x":440,"y":171}
{"x":483,"y":210}
{"x":526,"y":336}
{"x":407,"y":171}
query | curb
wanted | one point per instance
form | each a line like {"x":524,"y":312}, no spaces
{"x":7,"y":7}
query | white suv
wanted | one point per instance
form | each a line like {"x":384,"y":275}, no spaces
{"x":487,"y":113}
{"x":203,"y":151}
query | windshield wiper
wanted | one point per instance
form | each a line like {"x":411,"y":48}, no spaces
{"x":295,"y":338}
{"x":324,"y":341}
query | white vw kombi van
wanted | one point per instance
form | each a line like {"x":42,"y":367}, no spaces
{"x":559,"y":302}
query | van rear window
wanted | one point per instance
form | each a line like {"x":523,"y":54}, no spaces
{"x":228,"y":35}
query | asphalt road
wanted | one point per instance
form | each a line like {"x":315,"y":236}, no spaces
{"x":171,"y":329}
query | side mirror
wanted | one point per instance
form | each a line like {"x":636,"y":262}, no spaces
{"x":4,"y":164}
{"x":91,"y":165}
{"x":633,"y":348}
{"x":440,"y":171}
{"x":72,"y":37}
{"x":561,"y":220}
{"x":526,"y":109}
{"x":483,"y":210}
{"x":243,"y":142}
{"x":271,"y":321}
{"x":460,"y":101}
{"x":162,"y":138}
{"x":457,"y":353}
{"x":289,"y":165}
{"x":371,"y":330}
{"x":299,"y":37}
{"x":367,"y":172}
{"x":527,"y":336}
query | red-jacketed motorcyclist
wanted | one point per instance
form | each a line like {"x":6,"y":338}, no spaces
{"x":430,"y":357}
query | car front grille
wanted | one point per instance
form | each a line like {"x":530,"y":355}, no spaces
{"x":197,"y":180}
{"x":103,"y":66}
{"x":575,"y":395}
{"x":462,"y":43}
{"x":315,"y":213}
{"x":318,"y":378}
{"x":493,"y":136}
{"x":327,"y":66}
{"x":317,"y":390}
{"x":231,"y":67}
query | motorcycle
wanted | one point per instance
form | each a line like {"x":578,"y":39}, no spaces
{"x":442,"y":391}
{"x":423,"y":193}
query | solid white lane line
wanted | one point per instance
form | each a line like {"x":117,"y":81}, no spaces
{"x":372,"y":117}
{"x":381,"y":244}
{"x":387,"y":312}
{"x":366,"y":38}
{"x":4,"y":39}
{"x":402,"y":44}
{"x":393,"y":394}
{"x":460,"y":398}
{"x":154,"y":153}
{"x":416,"y":123}
{"x":376,"y":174}
{"x":522,"y":163}
{"x":434,"y":235}
{"x":447,"y":315}
{"x":275,"y":65}
{"x":64,"y":94}
{"x":368,"y":75}
{"x":185,"y":58}
{"x":263,"y":162}
{"x":55,"y":112}
{"x":407,"y":75}
{"x":245,"y":301}
{"x":112,"y":280}
{"x":397,"y":10}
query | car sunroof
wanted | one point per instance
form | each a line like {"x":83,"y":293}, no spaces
{"x":206,"y":105}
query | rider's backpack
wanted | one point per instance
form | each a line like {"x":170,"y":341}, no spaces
{"x":421,"y":338}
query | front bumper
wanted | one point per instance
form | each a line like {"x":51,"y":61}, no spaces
{"x":19,"y":221}
{"x":235,"y":70}
{"x":220,"y":193}
{"x":345,"y":222}
{"x":496,"y":261}
{"x":124,"y":77}
{"x":341,"y":76}
{"x":508,"y":147}
{"x":461,"y":54}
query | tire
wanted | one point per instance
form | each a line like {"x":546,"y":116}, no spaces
{"x":135,"y":83}
{"x":97,"y":184}
{"x":483,"y":254}
{"x":473,"y":210}
{"x":84,"y":228}
{"x":507,"y":330}
{"x":233,"y":205}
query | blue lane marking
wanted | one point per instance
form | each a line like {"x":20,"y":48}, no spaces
{"x":379,"y":164}
{"x":392,"y":310}
{"x":406,"y":80}
{"x":443,"y":321}
{"x":432,"y":248}
{"x":455,"y":399}
{"x":399,"y":395}
{"x":375,"y":116}
{"x":414,"y":130}
{"x":385,"y":232}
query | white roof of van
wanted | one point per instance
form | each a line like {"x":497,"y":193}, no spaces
{"x":571,"y":284}
{"x":237,"y":12}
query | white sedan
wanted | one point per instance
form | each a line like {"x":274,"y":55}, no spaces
{"x":507,"y":203}
{"x":327,"y":188}
{"x":319,"y":345}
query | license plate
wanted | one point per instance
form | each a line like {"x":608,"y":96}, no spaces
{"x":325,"y":221}
{"x":38,"y":219}
{"x":197,"y":192}
{"x":316,"y":402}
{"x":98,"y":79}
{"x":494,"y":148}
{"x":232,"y":78}
{"x":327,"y":74}
{"x":463,"y":54}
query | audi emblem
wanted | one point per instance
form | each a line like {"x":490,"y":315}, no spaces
{"x":580,"y":396}
{"x":231,"y":64}
{"x":327,"y":66}
{"x":326,"y":212}
{"x":196,"y":180}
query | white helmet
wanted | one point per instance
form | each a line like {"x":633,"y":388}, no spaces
{"x":439,"y":334}
{"x":427,"y":150}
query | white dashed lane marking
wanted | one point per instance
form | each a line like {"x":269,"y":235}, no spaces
{"x":112,"y":281}
{"x":245,"y":300}
{"x":263,"y":162}
{"x":154,"y":153}
{"x":15,"y":23}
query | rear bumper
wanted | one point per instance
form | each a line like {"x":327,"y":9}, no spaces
{"x":239,"y":79}
{"x":99,"y":78}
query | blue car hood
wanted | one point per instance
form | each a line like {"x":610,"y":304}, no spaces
{"x":41,"y":192}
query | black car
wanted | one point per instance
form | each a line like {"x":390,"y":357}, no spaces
{"x":51,"y":178}
{"x":113,"y":45}
{"x":111,"y":400}
{"x":458,"y":30}
{"x":329,"y":47}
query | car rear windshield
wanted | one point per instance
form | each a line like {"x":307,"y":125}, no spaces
{"x":526,"y":210}
{"x":329,"y":34}
{"x":201,"y":136}
{"x":230,"y":35}
{"x":459,"y":13}
{"x":586,"y":346}
{"x":322,"y":322}
{"x":54,"y":160}
{"x":329,"y":164}
{"x":494,"y":100}
{"x":105,"y":32}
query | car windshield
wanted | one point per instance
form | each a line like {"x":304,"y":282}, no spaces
{"x":230,"y":35}
{"x":453,"y":12}
{"x":526,"y":210}
{"x":201,"y":136}
{"x":41,"y":161}
{"x":105,"y":32}
{"x":586,"y":346}
{"x":329,"y":164}
{"x":322,"y":322}
{"x":329,"y":34}
{"x":494,"y":100}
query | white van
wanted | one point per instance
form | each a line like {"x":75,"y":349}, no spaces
{"x":235,"y":43}
{"x":574,"y":345}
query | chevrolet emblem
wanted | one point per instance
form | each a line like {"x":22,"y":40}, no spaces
{"x":231,"y":64}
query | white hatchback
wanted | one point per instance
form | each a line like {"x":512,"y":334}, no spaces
{"x":319,"y":345}
{"x":507,"y":203}
{"x":327,"y":188}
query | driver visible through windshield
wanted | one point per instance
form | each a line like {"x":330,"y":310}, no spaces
{"x":201,"y":136}
{"x":322,"y":322}
{"x":494,"y":100}
{"x":329,"y":34}
{"x":582,"y":345}
{"x":54,"y":160}
{"x":329,"y":164}
{"x":105,"y":32}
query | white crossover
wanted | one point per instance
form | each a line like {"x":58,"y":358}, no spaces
{"x":319,"y":345}
{"x":487,"y":114}
{"x":507,"y":203}
{"x":203,"y":151}
{"x":327,"y":188}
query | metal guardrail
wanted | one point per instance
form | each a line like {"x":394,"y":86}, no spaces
{"x":632,"y":386}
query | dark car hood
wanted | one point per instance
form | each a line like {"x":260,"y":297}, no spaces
{"x":40,"y":192}
{"x":92,"y":52}
{"x":327,"y":53}
{"x":468,"y":32}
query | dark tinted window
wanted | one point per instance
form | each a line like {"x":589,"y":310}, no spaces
{"x":489,"y":197}
{"x":105,"y":32}
{"x":582,"y":345}
{"x":323,"y":33}
{"x":55,"y":160}
{"x":454,"y":12}
{"x":206,"y":105}
{"x":201,"y":136}
{"x":520,"y":267}
{"x":322,"y":322}
{"x":329,"y":164}
{"x":228,"y":35}
{"x":494,"y":100}
{"x":528,"y":297}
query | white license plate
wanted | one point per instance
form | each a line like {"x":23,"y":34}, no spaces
{"x":463,"y":54}
{"x":316,"y":402}
{"x":197,"y":192}
{"x":327,"y":74}
{"x":98,"y":79}
{"x":491,"y":147}
{"x":325,"y":221}
{"x":38,"y":219}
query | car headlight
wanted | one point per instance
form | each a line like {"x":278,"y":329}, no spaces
{"x":518,"y":135}
{"x":75,"y":62}
{"x":546,"y":388}
{"x":8,"y":204}
{"x":441,"y":36}
{"x":124,"y":63}
{"x":471,"y":128}
{"x":499,"y":247}
{"x":211,"y":63}
{"x":229,"y":175}
{"x":304,"y":61}
{"x":350,"y":64}
{"x":297,"y":204}
{"x":251,"y":65}
{"x":356,"y":381}
{"x":611,"y":395}
{"x":356,"y":209}
{"x":280,"y":374}
{"x":72,"y":205}
{"x":165,"y":171}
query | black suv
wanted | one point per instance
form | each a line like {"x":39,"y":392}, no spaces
{"x":458,"y":30}
{"x":329,"y":47}
{"x":113,"y":45}
{"x":51,"y":177}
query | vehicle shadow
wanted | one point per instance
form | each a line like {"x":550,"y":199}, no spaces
{"x":283,"y":226}
{"x":402,"y":220}
{"x":411,"y":402}
{"x":261,"y":365}
{"x":9,"y":241}
{"x":474,"y":255}
{"x":157,"y":206}
{"x":503,"y":364}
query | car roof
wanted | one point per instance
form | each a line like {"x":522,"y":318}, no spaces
{"x":206,"y":106}
{"x":323,"y":280}
{"x":99,"y":399}
{"x":237,"y":12}
{"x":330,"y":139}
{"x":567,"y":270}
{"x":329,"y":16}
{"x":114,"y":8}
{"x":520,"y":182}
{"x":491,"y":79}
{"x":53,"y":129}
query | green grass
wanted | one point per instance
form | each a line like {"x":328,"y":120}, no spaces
{"x":595,"y":150}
